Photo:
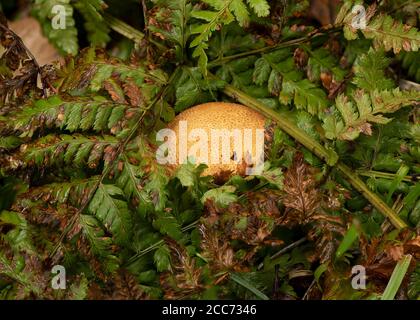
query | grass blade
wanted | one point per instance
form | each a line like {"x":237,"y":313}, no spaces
{"x":244,"y":283}
{"x":396,"y":278}
{"x":348,"y":239}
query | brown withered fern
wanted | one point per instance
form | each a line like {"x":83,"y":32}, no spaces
{"x":252,"y":220}
{"x":21,"y":70}
{"x":122,"y":286}
{"x":301,"y":196}
{"x":126,"y":287}
{"x":307,"y":205}
{"x":380,"y":255}
{"x":184,"y":281}
{"x":216,"y":249}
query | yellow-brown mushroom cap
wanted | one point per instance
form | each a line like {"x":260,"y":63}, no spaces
{"x":222,"y":116}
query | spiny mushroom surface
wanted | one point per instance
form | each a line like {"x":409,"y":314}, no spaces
{"x":220,"y":120}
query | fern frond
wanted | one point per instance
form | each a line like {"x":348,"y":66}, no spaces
{"x":64,"y":39}
{"x":138,"y":75}
{"x":131,"y":180}
{"x":385,"y":32}
{"x":109,"y":206}
{"x":260,"y":7}
{"x":305,"y":95}
{"x":167,"y":224}
{"x":100,"y":245}
{"x":411,"y":62}
{"x":95,"y":25}
{"x":19,"y":237}
{"x":13,"y":270}
{"x":73,"y":192}
{"x":93,"y":71}
{"x":162,"y":258}
{"x":278,"y":71}
{"x":141,"y":178}
{"x":178,"y":18}
{"x":321,"y":61}
{"x":369,"y":71}
{"x":73,"y":114}
{"x":393,"y":35}
{"x":349,"y":119}
{"x":193,"y":89}
{"x":10,"y":142}
{"x":226,"y":12}
{"x":67,"y":151}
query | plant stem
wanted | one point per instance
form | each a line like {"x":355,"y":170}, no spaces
{"x":123,"y":28}
{"x":374,"y":199}
{"x":157,"y":244}
{"x":289,"y":43}
{"x":329,"y":156}
{"x":284,"y":250}
{"x":383,"y":175}
{"x":244,"y":283}
{"x":127,"y":31}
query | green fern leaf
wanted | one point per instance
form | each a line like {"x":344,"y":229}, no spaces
{"x":411,"y":62}
{"x":71,"y":151}
{"x":240,"y":12}
{"x":369,"y":71}
{"x":100,"y":245}
{"x":306,"y":96}
{"x":385,"y":32}
{"x":131,"y":180}
{"x":168,"y":225}
{"x":348,"y":120}
{"x":95,"y":25}
{"x":64,"y":39}
{"x":72,"y":192}
{"x":278,"y":70}
{"x":260,"y":7}
{"x":162,"y":258}
{"x":226,"y":12}
{"x":321,"y":60}
{"x":390,"y":34}
{"x":109,"y":207}
{"x":76,"y":114}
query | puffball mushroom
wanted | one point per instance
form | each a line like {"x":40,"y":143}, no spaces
{"x":227,"y":137}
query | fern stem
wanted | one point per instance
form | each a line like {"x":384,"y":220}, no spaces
{"x":286,"y":44}
{"x":123,"y":28}
{"x":329,"y":156}
{"x":157,"y":244}
{"x":374,"y":199}
{"x":383,"y":175}
{"x":128,"y":31}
